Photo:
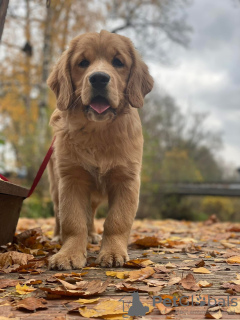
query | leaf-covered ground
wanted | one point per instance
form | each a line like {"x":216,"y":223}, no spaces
{"x":181,"y":270}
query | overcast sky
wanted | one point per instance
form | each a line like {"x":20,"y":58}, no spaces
{"x":206,"y":76}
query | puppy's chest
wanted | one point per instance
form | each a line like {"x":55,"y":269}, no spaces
{"x":99,"y":160}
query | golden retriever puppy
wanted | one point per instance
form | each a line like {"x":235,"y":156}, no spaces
{"x":99,"y":83}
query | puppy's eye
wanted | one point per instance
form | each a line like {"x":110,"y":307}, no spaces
{"x":117,"y":63}
{"x":84,"y":63}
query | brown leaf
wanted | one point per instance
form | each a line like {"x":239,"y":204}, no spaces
{"x":4,"y":283}
{"x":192,"y":263}
{"x":211,"y":220}
{"x":30,"y":238}
{"x":174,"y":280}
{"x":200,"y":263}
{"x":31,"y":304}
{"x":12,"y":257}
{"x":83,"y":288}
{"x":161,"y":269}
{"x":140,"y":274}
{"x":156,"y":283}
{"x":148,"y":242}
{"x":189,"y":283}
{"x":33,"y":281}
{"x":124,"y":286}
{"x":234,"y":287}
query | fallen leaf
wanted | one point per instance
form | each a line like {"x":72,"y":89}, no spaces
{"x":213,"y":313}
{"x":31,"y":304}
{"x":170,"y":265}
{"x":174,"y":280}
{"x":124,"y":286}
{"x":161,"y":269}
{"x":140,"y":274}
{"x":33,"y":281}
{"x":24,"y":289}
{"x":12,"y":257}
{"x":156,"y":283}
{"x":189,"y":283}
{"x":83,"y":288}
{"x":117,"y":274}
{"x":30,"y":238}
{"x":138,"y":263}
{"x":148,"y":242}
{"x":4,"y":283}
{"x":86,"y":301}
{"x":234,"y":309}
{"x":103,"y":308}
{"x":233,"y":260}
{"x":108,"y":309}
{"x":163,"y":309}
{"x":68,"y":285}
{"x":201,"y":270}
{"x":204,"y":284}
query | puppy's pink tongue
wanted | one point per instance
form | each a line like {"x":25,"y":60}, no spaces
{"x":100,"y":106}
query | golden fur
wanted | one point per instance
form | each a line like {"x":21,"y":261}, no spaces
{"x":97,"y":156}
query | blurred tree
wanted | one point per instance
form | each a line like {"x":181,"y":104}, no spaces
{"x":153,"y":24}
{"x":177,"y":166}
{"x":3,"y":11}
{"x":178,"y":147}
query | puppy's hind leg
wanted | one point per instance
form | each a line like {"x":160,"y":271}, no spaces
{"x":54,"y":181}
{"x":93,"y":236}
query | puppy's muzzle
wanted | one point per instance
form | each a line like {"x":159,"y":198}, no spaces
{"x":99,"y":80}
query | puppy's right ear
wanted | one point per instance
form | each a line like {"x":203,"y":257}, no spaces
{"x":60,"y":82}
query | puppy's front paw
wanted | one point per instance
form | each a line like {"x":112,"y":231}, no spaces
{"x":111,"y":258}
{"x":67,"y":261}
{"x":94,"y":238}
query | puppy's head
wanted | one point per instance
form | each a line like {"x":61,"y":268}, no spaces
{"x":102,"y":74}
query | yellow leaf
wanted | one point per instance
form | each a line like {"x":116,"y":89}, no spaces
{"x":232,"y":260}
{"x":104,"y":308}
{"x":201,"y":270}
{"x":117,"y":274}
{"x":163,"y":309}
{"x":24,"y":289}
{"x":85,"y":301}
{"x":108,"y":309}
{"x":138,"y":262}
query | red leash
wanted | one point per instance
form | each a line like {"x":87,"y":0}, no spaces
{"x":40,"y":171}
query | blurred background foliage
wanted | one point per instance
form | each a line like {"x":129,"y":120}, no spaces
{"x":178,"y":147}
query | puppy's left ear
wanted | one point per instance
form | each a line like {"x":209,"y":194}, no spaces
{"x":140,"y":82}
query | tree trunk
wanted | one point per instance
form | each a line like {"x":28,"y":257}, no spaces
{"x":3,"y":12}
{"x":44,"y":98}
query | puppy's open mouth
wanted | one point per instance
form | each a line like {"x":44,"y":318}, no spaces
{"x":99,"y":104}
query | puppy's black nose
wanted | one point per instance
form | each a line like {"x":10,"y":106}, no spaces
{"x":99,"y":80}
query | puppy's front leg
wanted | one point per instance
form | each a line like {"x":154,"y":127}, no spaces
{"x":74,"y":198}
{"x":123,"y":202}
